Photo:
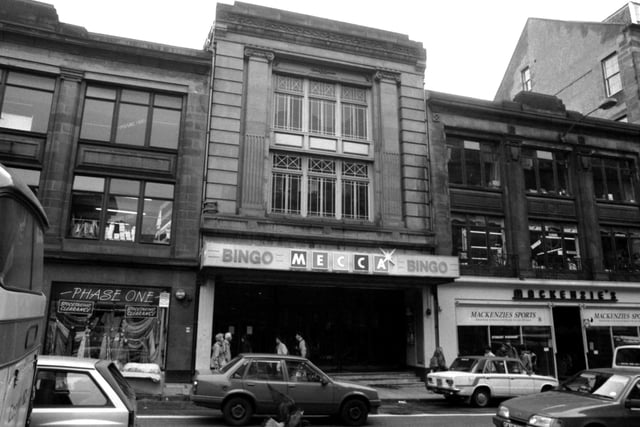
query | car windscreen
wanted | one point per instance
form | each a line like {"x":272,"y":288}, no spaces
{"x":465,"y":364}
{"x":597,"y":384}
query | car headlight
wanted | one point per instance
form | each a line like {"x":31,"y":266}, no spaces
{"x":542,"y":421}
{"x":503,"y":411}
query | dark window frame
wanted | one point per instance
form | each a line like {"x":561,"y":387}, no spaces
{"x":559,"y":163}
{"x":464,"y":149}
{"x":153,"y":103}
{"x":107,"y":194}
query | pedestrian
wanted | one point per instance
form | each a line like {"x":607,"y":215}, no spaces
{"x":527,"y":360}
{"x":227,"y":347}
{"x":217,"y":353}
{"x":488,"y":352}
{"x":437,"y":362}
{"x":503,"y":351}
{"x":281,"y":348}
{"x":245,"y":345}
{"x":302,"y":346}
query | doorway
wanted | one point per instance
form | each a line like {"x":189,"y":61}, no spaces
{"x":346,"y":329}
{"x":570,"y":354}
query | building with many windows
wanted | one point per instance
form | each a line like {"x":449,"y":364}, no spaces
{"x":109,"y":133}
{"x":542,"y":212}
{"x":579,"y":62}
{"x":317,"y":213}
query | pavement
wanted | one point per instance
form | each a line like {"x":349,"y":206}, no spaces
{"x":396,"y":399}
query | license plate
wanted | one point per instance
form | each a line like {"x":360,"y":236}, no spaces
{"x":508,"y":424}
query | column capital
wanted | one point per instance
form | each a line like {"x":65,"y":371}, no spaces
{"x":256,"y":52}
{"x":393,"y":76}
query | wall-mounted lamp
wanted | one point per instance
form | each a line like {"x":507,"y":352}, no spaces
{"x":607,"y":104}
{"x":181,"y":295}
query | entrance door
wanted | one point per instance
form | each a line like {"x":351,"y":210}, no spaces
{"x":344,"y":328}
{"x":570,"y":355}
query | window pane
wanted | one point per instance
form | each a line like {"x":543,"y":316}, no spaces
{"x":156,"y":221}
{"x":613,"y":183}
{"x":355,"y":199}
{"x":132,"y":124}
{"x":122,"y":214}
{"x":154,"y":189}
{"x":286,"y":193}
{"x":134,"y":96}
{"x":26,"y":109}
{"x":545,"y":167}
{"x":322,"y":116}
{"x":101,"y":92}
{"x":321,"y":200}
{"x":455,"y":165}
{"x":29,"y":80}
{"x":165,"y":128}
{"x":472,"y":164}
{"x":598,"y":179}
{"x":173,"y":102}
{"x":88,"y":183}
{"x":125,"y":187}
{"x":85,"y":215}
{"x":354,"y":121}
{"x":61,"y":388}
{"x":16,"y":245}
{"x":96,"y":120}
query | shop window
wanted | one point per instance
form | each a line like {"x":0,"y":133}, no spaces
{"x":613,"y":179}
{"x":545,"y":172}
{"x":510,"y":340}
{"x":26,"y":101}
{"x":132,"y":117}
{"x":123,"y":324}
{"x":319,"y":187}
{"x":478,"y":240}
{"x":118,"y":209}
{"x":554,"y":246}
{"x":473,"y":163}
{"x":620,"y":249}
{"x":611,"y":74}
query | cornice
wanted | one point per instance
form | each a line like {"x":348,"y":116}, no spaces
{"x":231,"y":22}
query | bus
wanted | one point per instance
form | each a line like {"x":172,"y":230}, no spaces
{"x":22,"y":300}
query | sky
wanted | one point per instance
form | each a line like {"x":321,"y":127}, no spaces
{"x":468,"y":42}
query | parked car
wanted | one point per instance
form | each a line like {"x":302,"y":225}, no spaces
{"x":253,"y":383}
{"x":605,"y":397}
{"x":626,"y":356}
{"x":81,"y":392}
{"x":478,"y":379}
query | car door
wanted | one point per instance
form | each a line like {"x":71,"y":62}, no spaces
{"x":310,"y":389}
{"x":75,"y":397}
{"x":520,"y":382}
{"x":630,"y":415}
{"x":265,"y":380}
{"x":495,"y":375}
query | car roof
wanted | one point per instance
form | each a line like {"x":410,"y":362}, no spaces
{"x":619,"y":371}
{"x":271,"y":356}
{"x":488,"y":357}
{"x":67,"y":362}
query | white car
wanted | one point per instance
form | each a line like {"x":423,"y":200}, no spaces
{"x":478,"y":379}
{"x":81,"y":392}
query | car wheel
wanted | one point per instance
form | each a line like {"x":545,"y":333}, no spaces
{"x":354,"y":412}
{"x":481,"y":397}
{"x":547,"y":388}
{"x":237,"y":411}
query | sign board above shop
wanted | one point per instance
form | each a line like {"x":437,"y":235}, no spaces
{"x":384,"y":262}
{"x":607,"y":316}
{"x":502,"y":315}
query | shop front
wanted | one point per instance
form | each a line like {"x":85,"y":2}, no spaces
{"x":357,"y":309}
{"x":566,"y":326}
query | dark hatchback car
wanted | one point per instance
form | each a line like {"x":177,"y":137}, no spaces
{"x":251,"y":383}
{"x":605,"y":397}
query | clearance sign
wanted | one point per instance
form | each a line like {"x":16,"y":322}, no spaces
{"x":280,"y":258}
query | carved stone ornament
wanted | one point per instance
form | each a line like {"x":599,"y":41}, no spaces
{"x":259,"y":53}
{"x":388,"y":75}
